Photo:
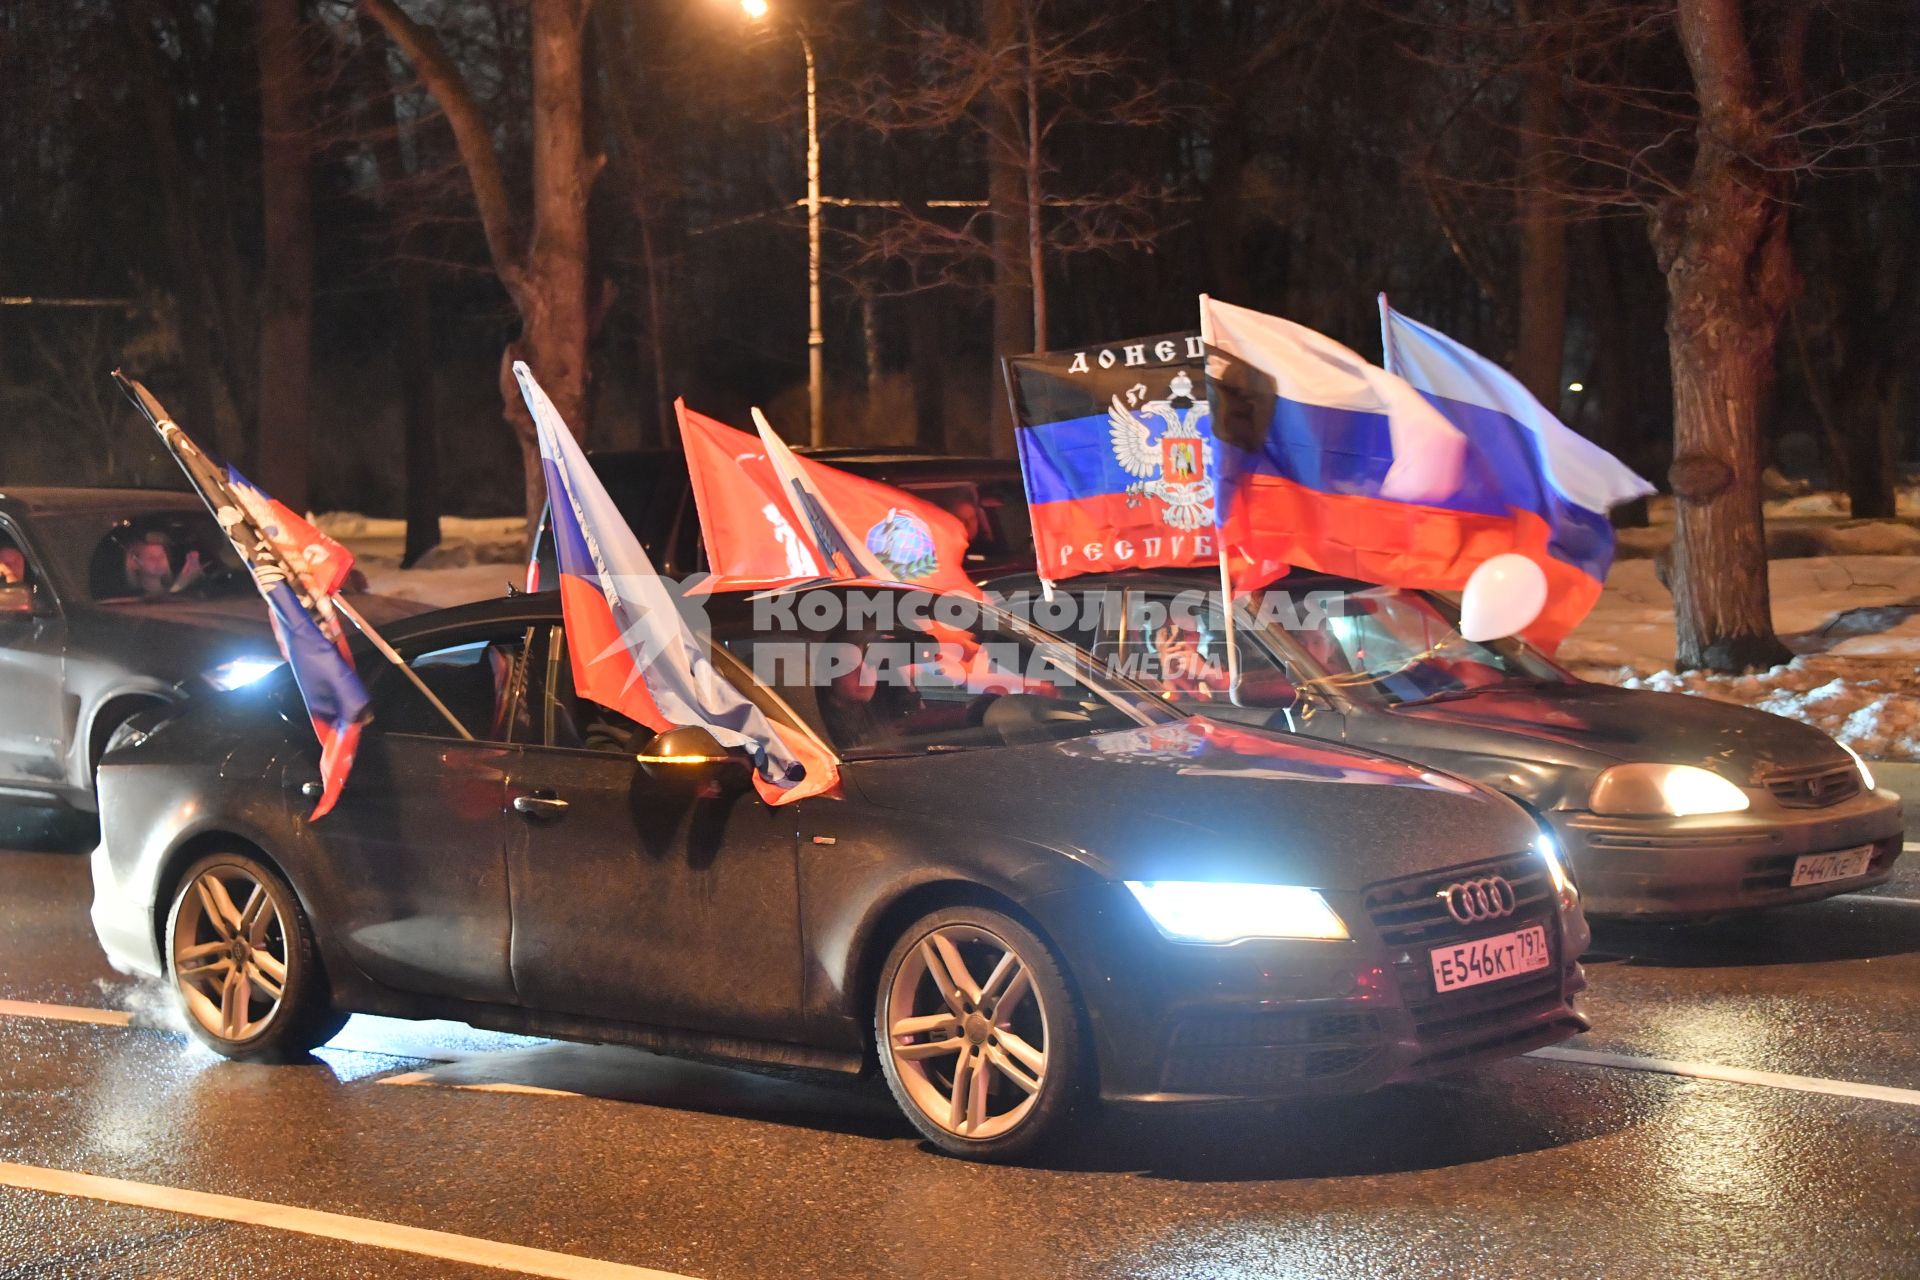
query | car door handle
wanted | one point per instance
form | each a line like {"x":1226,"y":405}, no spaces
{"x":539,"y":806}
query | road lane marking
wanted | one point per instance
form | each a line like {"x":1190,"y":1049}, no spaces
{"x":331,"y":1226}
{"x":1911,"y":846}
{"x":490,"y":1086}
{"x":65,"y":1013}
{"x":1734,"y":1075}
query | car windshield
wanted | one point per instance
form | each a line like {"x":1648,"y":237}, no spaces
{"x":166,"y":555}
{"x":879,"y":681}
{"x":1393,"y":647}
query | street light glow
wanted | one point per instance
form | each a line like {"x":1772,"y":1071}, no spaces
{"x":1571,"y":386}
{"x":755,"y":9}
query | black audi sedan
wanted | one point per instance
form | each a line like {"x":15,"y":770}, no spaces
{"x":1032,"y":887}
{"x":1666,"y":807}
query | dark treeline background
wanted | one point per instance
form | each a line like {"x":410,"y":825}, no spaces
{"x":1517,"y":172}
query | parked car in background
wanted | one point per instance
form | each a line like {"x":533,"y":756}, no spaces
{"x":113,"y":601}
{"x":651,"y":488}
{"x":1667,"y":806}
{"x":1035,"y":887}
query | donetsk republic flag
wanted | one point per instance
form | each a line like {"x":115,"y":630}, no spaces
{"x":1116,"y":444}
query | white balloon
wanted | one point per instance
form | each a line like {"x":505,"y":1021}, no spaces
{"x":1504,"y":595}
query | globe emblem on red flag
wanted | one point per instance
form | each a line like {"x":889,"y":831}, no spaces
{"x":903,"y":542}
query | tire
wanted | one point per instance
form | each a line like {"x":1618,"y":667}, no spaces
{"x":1019,"y":1029}
{"x":224,"y":977}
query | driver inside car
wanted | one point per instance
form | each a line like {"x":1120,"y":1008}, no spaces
{"x":870,"y":695}
{"x":13,"y":566}
{"x":149,"y":566}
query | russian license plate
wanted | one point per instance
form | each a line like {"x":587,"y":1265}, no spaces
{"x":1818,"y":868}
{"x":1506,"y":955}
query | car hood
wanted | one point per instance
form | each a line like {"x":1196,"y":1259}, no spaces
{"x":1203,"y":800}
{"x":1589,"y":727}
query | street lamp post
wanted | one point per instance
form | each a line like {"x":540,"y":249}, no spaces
{"x":816,"y":338}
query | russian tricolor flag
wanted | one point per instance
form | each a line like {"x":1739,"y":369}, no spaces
{"x":1558,"y":484}
{"x":631,"y":648}
{"x":1331,"y":463}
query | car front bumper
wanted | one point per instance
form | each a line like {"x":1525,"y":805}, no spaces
{"x":1270,"y":1019}
{"x":1680,"y":868}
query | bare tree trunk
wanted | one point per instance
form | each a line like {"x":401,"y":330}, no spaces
{"x":1612,"y":360}
{"x":1036,"y":230}
{"x":1873,"y":445}
{"x":414,"y":352}
{"x":1730,"y":279}
{"x":927,"y":354}
{"x":1543,"y":232}
{"x":546,"y":273}
{"x":286,"y":194}
{"x":664,"y":419}
{"x":1006,"y":207}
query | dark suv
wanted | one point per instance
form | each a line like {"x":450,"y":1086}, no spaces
{"x":651,"y":489}
{"x":113,"y":601}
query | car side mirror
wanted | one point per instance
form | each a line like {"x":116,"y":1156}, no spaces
{"x":16,"y":600}
{"x":690,"y":756}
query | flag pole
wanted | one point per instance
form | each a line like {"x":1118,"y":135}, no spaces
{"x":1220,"y":541}
{"x":1386,"y":335}
{"x":387,"y":651}
{"x":1013,"y":416}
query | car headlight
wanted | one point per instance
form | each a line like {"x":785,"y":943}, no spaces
{"x":1200,"y":911}
{"x":1548,"y":846}
{"x":1679,"y":790}
{"x":1866,"y":774}
{"x":239,"y":673}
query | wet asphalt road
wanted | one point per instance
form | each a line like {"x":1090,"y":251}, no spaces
{"x":1530,"y":1168}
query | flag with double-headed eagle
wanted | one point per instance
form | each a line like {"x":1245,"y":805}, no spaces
{"x":1116,"y":447}
{"x":632,"y":649}
{"x":298,"y":570}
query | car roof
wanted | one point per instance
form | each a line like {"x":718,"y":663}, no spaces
{"x":47,"y":499}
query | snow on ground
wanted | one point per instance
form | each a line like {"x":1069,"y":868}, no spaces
{"x":475,"y":560}
{"x":1853,"y":621}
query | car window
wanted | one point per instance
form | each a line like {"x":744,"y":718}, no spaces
{"x":15,"y":569}
{"x":483,"y":683}
{"x":166,"y":555}
{"x":1176,"y":644}
{"x":915,"y":687}
{"x":994,"y":512}
{"x":565,"y":719}
{"x":1386,"y":645}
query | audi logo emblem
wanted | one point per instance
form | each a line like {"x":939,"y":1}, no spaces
{"x":1472,"y":901}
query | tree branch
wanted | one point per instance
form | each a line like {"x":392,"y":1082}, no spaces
{"x":471,"y":135}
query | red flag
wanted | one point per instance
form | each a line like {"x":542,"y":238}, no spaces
{"x":755,"y":536}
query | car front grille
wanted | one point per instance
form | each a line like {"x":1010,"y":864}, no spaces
{"x":1248,"y":1053}
{"x":1814,"y":788}
{"x":1412,"y":914}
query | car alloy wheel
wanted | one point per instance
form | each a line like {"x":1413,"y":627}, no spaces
{"x":242,"y":959}
{"x":230,"y":953}
{"x":977,"y":1033}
